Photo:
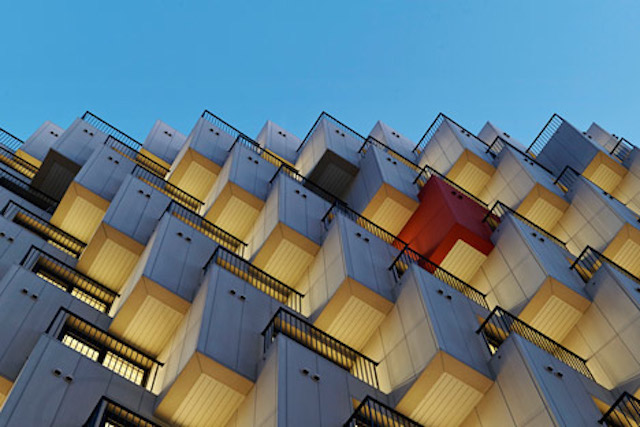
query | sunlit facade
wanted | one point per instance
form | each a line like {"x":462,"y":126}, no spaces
{"x":213,"y":279}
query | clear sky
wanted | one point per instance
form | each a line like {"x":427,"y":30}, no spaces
{"x":513,"y":62}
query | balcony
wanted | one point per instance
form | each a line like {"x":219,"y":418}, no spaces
{"x":108,"y":413}
{"x":497,"y":327}
{"x":524,"y":184}
{"x":256,"y":277}
{"x":167,"y":188}
{"x":104,"y":348}
{"x":447,"y":228}
{"x":426,"y":172}
{"x":110,"y":130}
{"x":69,"y":279}
{"x":23,"y":189}
{"x":370,"y":412}
{"x":625,"y":412}
{"x":288,"y":231}
{"x":43,"y":229}
{"x":383,"y":190}
{"x":408,"y":257}
{"x":137,"y":157}
{"x":560,"y":144}
{"x":279,"y":142}
{"x":240,"y":191}
{"x":17,"y":163}
{"x":328,"y":154}
{"x":207,"y":228}
{"x":162,"y":144}
{"x":590,"y":261}
{"x":304,"y":333}
{"x":456,"y":153}
{"x":499,"y":209}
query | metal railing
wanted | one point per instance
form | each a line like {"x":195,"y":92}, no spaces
{"x":43,"y":228}
{"x":625,"y":411}
{"x":108,"y":413}
{"x":372,"y":413}
{"x":69,"y":279}
{"x":206,"y":227}
{"x":108,"y":129}
{"x":167,"y":188}
{"x":498,"y":144}
{"x":363,"y":222}
{"x":500,"y":324}
{"x":220,"y":124}
{"x":323,"y":344}
{"x":499,"y":209}
{"x":408,"y":256}
{"x":104,"y":348}
{"x":256,"y":277}
{"x":344,"y":128}
{"x":427,"y":172}
{"x":393,"y":153}
{"x":249,"y":143}
{"x":567,"y":178}
{"x":135,"y":156}
{"x":12,"y":142}
{"x":307,"y":183}
{"x":622,"y":149}
{"x":23,"y":189}
{"x":545,"y":135}
{"x":433,"y":128}
{"x":17,"y":163}
{"x":589,"y":262}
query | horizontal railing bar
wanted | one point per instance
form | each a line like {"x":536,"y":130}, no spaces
{"x":91,"y":118}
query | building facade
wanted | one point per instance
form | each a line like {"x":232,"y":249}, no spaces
{"x":211,"y":279}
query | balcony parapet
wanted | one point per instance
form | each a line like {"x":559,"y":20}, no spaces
{"x":370,"y":412}
{"x":43,"y":228}
{"x":109,"y":413}
{"x":497,"y":327}
{"x":256,"y":277}
{"x":69,"y":279}
{"x":102,"y":347}
{"x":321,"y":343}
{"x":499,"y":209}
{"x":111,"y":130}
{"x":167,"y":188}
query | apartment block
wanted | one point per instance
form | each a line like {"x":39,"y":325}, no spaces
{"x":208,"y":278}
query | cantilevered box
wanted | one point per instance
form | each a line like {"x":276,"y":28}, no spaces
{"x":288,"y":231}
{"x":596,"y":219}
{"x":35,"y":148}
{"x":200,"y":159}
{"x":330,"y":156}
{"x":279,"y":141}
{"x":526,"y":187}
{"x":383,"y":191}
{"x":570,"y":147}
{"x":348,"y":286}
{"x":529,"y":275}
{"x":217,"y":347}
{"x":392,"y":138}
{"x":432,"y":362}
{"x":240,"y":191}
{"x":527,"y":379}
{"x":163,"y":143}
{"x":448,"y":229}
{"x":459,"y":156}
{"x":608,"y":333}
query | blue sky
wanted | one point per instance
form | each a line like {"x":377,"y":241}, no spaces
{"x":512,"y":62}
